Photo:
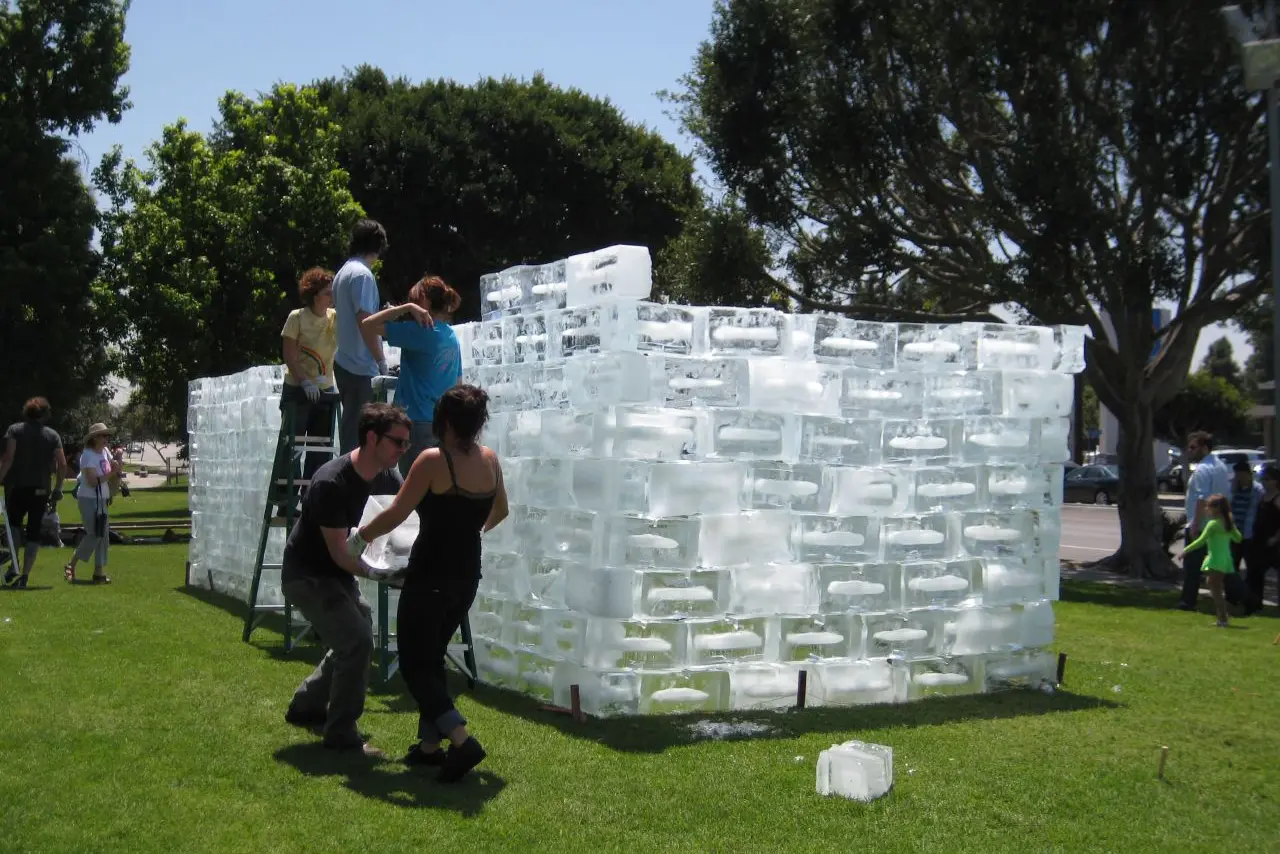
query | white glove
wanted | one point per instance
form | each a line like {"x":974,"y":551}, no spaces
{"x":356,"y":543}
{"x":379,"y":574}
{"x":311,"y":390}
{"x":383,"y":370}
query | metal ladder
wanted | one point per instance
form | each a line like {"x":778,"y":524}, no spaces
{"x":291,"y":454}
{"x":9,"y":542}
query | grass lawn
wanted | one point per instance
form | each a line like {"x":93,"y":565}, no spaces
{"x":136,"y":721}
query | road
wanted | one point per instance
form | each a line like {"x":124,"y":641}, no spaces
{"x":1089,"y":532}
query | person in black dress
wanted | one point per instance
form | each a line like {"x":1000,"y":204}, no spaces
{"x":458,"y":492}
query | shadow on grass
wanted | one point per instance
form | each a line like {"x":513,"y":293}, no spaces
{"x":271,"y":623}
{"x":30,"y":588}
{"x":394,"y":783}
{"x":657,"y":733}
{"x":1120,"y":596}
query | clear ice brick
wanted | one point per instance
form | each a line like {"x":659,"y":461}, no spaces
{"x":746,"y":332}
{"x":856,"y":770}
{"x":615,"y":273}
{"x":859,"y":343}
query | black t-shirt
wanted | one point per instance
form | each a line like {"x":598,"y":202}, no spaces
{"x":33,"y":456}
{"x":335,"y":499}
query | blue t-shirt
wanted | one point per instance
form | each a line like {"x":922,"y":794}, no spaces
{"x":430,"y":365}
{"x":354,"y":290}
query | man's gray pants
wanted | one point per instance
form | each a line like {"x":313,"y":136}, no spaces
{"x":354,"y":391}
{"x":335,"y":690}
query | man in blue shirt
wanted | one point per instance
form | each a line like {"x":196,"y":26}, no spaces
{"x":1211,"y":477}
{"x":359,"y":357}
{"x":1246,"y":495}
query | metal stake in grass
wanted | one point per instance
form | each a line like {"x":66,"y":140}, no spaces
{"x":575,"y":706}
{"x":1062,"y":666}
{"x":1164,"y":756}
{"x":802,"y":688}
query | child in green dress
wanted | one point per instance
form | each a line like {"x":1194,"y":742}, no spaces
{"x":1217,"y":536}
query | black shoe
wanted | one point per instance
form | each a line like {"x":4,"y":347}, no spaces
{"x":416,"y":758}
{"x":1183,"y":606}
{"x":11,"y":577}
{"x":356,"y":746}
{"x":21,"y":583}
{"x":461,"y":759}
{"x":312,"y":722}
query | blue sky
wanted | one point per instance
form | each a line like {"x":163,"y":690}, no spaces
{"x":187,"y":53}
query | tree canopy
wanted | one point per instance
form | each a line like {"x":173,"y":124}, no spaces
{"x":204,"y":246}
{"x":1220,"y":361}
{"x":1206,"y":402}
{"x":1079,"y":162}
{"x":59,"y":74}
{"x":472,"y":179}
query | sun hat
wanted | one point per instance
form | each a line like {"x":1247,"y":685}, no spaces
{"x":98,"y":429}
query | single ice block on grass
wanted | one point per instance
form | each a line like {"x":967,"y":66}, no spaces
{"x":856,"y":770}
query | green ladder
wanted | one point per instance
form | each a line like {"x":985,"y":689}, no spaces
{"x":9,"y":541}
{"x":291,"y":454}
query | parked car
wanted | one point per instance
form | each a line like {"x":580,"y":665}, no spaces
{"x":1092,"y":484}
{"x":135,"y":447}
{"x":1169,"y":477}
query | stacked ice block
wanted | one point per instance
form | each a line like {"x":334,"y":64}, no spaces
{"x":705,"y":501}
{"x":233,"y":423}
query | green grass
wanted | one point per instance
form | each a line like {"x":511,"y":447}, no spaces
{"x":161,"y":502}
{"x":135,"y":720}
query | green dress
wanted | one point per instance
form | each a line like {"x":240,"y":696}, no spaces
{"x":1219,"y":541}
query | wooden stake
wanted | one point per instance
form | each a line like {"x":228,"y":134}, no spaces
{"x":1062,"y":666}
{"x":802,"y":688}
{"x":575,"y":703}
{"x":1164,"y":756}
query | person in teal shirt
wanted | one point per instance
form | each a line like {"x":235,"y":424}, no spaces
{"x":430,"y":358}
{"x":1218,"y":535}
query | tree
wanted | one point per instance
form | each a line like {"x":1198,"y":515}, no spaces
{"x":1220,"y":361}
{"x":1074,"y":161}
{"x":60,"y":75}
{"x":718,"y":258}
{"x":473,"y":179}
{"x":1206,"y":402}
{"x":143,"y":422}
{"x":1258,"y":322}
{"x":203,"y":248}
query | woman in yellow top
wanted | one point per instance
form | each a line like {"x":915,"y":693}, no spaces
{"x":310,"y":337}
{"x":1217,"y":536}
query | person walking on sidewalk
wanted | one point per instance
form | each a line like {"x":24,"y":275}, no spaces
{"x":1211,"y":477}
{"x":359,"y":357}
{"x":319,"y":576}
{"x":1219,"y":533}
{"x":1264,"y":555}
{"x":33,"y":456}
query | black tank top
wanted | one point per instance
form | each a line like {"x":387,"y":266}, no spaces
{"x":448,"y":544}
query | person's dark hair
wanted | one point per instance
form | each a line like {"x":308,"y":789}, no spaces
{"x":380,"y":418}
{"x":434,"y":295}
{"x":464,"y":408}
{"x":1242,"y":465}
{"x":368,"y":237}
{"x":1223,"y":506}
{"x":35,"y":409}
{"x":1200,"y":437}
{"x":313,"y":282}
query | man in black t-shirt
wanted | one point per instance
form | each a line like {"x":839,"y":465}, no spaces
{"x":33,"y":457}
{"x":319,"y":576}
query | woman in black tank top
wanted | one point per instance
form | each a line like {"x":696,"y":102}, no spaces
{"x":458,"y":492}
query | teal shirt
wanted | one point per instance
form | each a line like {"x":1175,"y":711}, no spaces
{"x":430,"y":365}
{"x":1218,"y":540}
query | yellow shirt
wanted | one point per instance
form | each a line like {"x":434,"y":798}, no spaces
{"x":317,"y":339}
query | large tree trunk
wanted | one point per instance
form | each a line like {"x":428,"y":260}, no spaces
{"x":1142,"y":553}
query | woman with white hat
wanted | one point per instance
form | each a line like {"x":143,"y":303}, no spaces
{"x":97,"y":472}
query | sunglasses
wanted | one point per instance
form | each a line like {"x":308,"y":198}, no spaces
{"x":402,"y":444}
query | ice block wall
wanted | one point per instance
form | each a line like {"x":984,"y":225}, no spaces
{"x":232,"y":425}
{"x":704,"y":501}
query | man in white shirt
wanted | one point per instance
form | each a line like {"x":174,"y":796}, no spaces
{"x":1211,"y":477}
{"x":359,"y":357}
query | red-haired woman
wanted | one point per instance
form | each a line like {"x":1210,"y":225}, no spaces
{"x":430,"y":359}
{"x":310,"y":338}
